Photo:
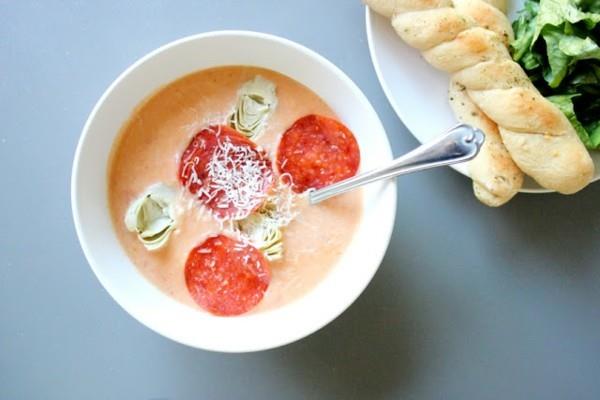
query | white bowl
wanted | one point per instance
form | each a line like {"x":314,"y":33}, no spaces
{"x":148,"y":304}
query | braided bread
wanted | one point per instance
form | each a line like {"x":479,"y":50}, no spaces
{"x":524,"y":131}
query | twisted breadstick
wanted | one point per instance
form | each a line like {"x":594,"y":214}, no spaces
{"x":468,"y":39}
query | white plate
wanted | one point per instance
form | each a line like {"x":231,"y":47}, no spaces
{"x":140,"y":298}
{"x":417,"y":91}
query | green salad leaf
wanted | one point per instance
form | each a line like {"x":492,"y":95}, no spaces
{"x":525,"y":28}
{"x":564,"y":102}
{"x":557,"y":60}
{"x":557,"y":12}
{"x":556,"y":42}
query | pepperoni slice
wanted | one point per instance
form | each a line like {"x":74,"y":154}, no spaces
{"x":317,"y":151}
{"x":226,"y":276}
{"x":226,"y":171}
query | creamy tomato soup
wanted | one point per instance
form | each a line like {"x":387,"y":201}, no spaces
{"x":151,"y":150}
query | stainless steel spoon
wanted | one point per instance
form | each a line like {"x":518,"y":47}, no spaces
{"x":459,"y":144}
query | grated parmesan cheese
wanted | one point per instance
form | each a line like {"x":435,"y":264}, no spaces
{"x":230,"y":177}
{"x":237,"y":178}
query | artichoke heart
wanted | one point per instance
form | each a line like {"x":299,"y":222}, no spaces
{"x":151,"y":216}
{"x":256,"y":100}
{"x":263,"y":231}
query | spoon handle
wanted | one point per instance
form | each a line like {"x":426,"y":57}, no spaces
{"x":459,"y":144}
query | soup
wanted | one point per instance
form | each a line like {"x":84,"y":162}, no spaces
{"x":154,"y":185}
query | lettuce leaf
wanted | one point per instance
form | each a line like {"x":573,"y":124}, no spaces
{"x":524,"y":28}
{"x":556,"y":42}
{"x":564,"y":102}
{"x":557,"y":12}
{"x":590,"y":134}
{"x":593,"y":130}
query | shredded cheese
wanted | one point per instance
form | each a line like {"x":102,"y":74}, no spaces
{"x":237,"y":178}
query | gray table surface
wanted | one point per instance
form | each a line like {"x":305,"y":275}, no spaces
{"x":469,"y":303}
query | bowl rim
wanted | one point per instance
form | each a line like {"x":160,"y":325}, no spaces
{"x":385,"y":235}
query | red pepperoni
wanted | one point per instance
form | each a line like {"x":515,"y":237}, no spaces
{"x":317,"y":151}
{"x":226,"y":276}
{"x":226,"y":171}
